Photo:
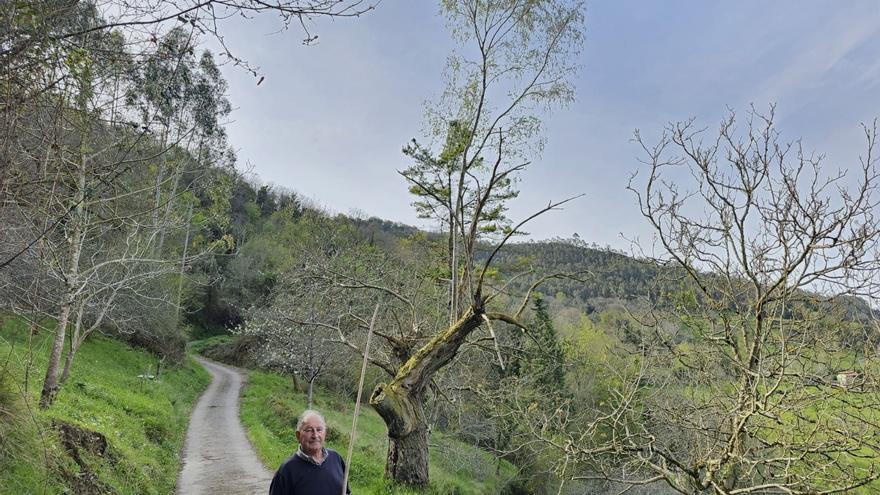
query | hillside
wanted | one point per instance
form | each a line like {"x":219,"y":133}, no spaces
{"x":112,"y":430}
{"x":604,"y":274}
{"x":126,"y":211}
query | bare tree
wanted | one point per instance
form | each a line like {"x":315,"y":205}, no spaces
{"x":79,"y":195}
{"x":741,"y":396}
{"x":125,"y":274}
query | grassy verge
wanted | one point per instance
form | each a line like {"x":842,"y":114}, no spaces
{"x":269,"y":408}
{"x":109,"y":431}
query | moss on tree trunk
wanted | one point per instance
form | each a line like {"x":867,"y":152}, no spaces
{"x":404,"y":414}
{"x":400,"y":403}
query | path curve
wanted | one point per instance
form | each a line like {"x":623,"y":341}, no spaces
{"x":218,"y":458}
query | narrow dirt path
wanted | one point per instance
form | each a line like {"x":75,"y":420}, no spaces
{"x":218,"y":458}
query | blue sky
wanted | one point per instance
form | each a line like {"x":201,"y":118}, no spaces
{"x":329,"y":120}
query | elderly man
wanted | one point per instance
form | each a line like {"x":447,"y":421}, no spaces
{"x":313,"y":469}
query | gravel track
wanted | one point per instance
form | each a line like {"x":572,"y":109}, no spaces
{"x":218,"y":458}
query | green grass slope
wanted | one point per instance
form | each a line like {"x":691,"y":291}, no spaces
{"x":109,"y":431}
{"x":269,"y":411}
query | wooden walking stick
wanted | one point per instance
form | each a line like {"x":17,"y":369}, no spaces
{"x":357,"y":404}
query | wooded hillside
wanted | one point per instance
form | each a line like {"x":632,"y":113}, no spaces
{"x":742,"y":360}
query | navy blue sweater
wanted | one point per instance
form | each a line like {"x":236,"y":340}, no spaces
{"x":297,"y":476}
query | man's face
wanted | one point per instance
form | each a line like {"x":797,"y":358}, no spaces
{"x":311,"y":435}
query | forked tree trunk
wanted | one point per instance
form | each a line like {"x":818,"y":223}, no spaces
{"x":50,"y":382}
{"x":401,"y":405}
{"x":73,"y":346}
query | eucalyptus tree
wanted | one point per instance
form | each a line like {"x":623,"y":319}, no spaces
{"x":180,"y":98}
{"x":37,"y":40}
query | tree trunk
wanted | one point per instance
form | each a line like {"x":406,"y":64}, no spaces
{"x":450,"y":262}
{"x":408,"y":458}
{"x":311,"y":389}
{"x":75,"y":241}
{"x":50,"y":382}
{"x":73,"y":346}
{"x":168,"y":205}
{"x":401,"y":405}
{"x":157,"y":191}
{"x":183,"y":264}
{"x":404,"y":414}
{"x":68,"y":361}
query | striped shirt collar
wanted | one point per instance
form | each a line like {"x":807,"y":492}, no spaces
{"x":306,"y":457}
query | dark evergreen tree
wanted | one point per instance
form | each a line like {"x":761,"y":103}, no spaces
{"x":545,"y":362}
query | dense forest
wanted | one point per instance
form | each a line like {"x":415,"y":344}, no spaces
{"x":714,"y":368}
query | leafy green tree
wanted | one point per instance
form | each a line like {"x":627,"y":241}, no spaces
{"x":546,"y":359}
{"x":433,"y":181}
{"x":265,"y":201}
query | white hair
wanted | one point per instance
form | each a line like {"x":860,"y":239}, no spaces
{"x":305,"y":414}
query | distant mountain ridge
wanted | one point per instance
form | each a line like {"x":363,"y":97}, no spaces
{"x":605,"y":276}
{"x":604,"y":273}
